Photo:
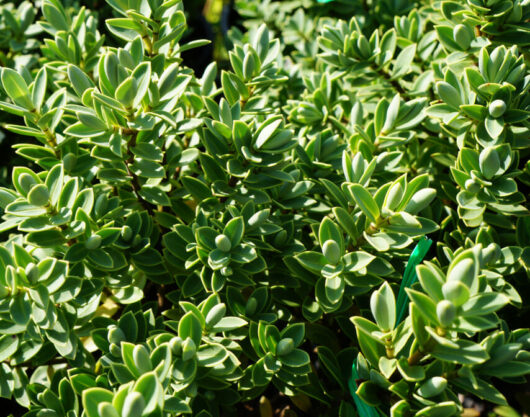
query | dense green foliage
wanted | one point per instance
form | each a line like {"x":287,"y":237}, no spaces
{"x":176,"y":244}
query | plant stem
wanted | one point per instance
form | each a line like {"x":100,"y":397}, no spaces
{"x":418,"y":355}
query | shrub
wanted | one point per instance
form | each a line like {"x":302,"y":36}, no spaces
{"x":184,"y":245}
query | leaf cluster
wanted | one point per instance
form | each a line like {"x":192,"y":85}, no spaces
{"x":176,"y":244}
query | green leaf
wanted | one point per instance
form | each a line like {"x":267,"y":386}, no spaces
{"x":7,"y":381}
{"x":369,"y":393}
{"x":365,"y":201}
{"x":142,"y":77}
{"x":356,"y":261}
{"x":46,"y":238}
{"x":334,"y":289}
{"x":410,"y":373}
{"x":148,"y":151}
{"x":126,"y":29}
{"x":345,"y":220}
{"x":383,"y":306}
{"x":211,"y":355}
{"x":425,"y":305}
{"x":23,"y":209}
{"x":388,"y":46}
{"x":154,"y":195}
{"x":296,"y":358}
{"x":294,"y":331}
{"x":234,"y":230}
{"x":475,"y":111}
{"x":128,"y":324}
{"x":141,"y":359}
{"x":449,"y":94}
{"x":127,"y":356}
{"x":329,"y":360}
{"x":81,"y":130}
{"x":481,"y":389}
{"x":312,"y":261}
{"x":54,"y":182}
{"x":366,"y":327}
{"x":107,"y":410}
{"x":100,"y":259}
{"x":126,"y":92}
{"x":92,"y":397}
{"x":20,"y":309}
{"x":79,"y":80}
{"x":432,"y":280}
{"x":68,"y":193}
{"x":260,"y":375}
{"x":8,"y":346}
{"x":55,"y":15}
{"x":196,"y":188}
{"x":16,"y":88}
{"x":328,"y":230}
{"x":39,"y":88}
{"x":266,"y":131}
{"x":230,"y":89}
{"x":444,"y":409}
{"x":190,"y":326}
{"x":391,"y":114}
{"x":465,"y":353}
{"x":229,"y":323}
{"x":420,"y":200}
{"x":147,"y":169}
{"x":485,"y":303}
{"x":402,"y":64}
{"x":152,"y":392}
{"x":494,"y":126}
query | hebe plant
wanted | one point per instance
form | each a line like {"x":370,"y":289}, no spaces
{"x":196,"y":245}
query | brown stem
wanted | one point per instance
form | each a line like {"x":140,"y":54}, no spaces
{"x":232,"y":182}
{"x":373,"y":228}
{"x":244,"y":101}
{"x":417,"y":356}
{"x":135,"y":183}
{"x":394,"y":83}
{"x":29,"y":363}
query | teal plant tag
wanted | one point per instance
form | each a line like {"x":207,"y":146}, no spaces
{"x":363,"y":409}
{"x":409,"y":277}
